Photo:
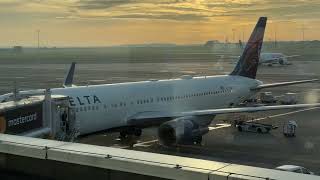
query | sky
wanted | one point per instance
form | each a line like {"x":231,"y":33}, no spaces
{"x":118,"y":22}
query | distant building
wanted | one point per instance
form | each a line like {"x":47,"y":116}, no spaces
{"x":17,"y":49}
{"x":211,"y":43}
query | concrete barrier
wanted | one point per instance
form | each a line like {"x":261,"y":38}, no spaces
{"x":63,"y":160}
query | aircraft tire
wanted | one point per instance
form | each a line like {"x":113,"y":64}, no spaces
{"x":198,"y":140}
{"x":259,"y":130}
{"x":137,"y":132}
{"x":123,"y":134}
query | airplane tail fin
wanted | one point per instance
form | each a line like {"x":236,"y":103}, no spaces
{"x":248,"y":63}
{"x":69,"y":78}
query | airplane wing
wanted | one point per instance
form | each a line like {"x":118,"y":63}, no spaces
{"x":69,"y":78}
{"x":247,"y":109}
{"x":159,"y":116}
{"x":263,"y":86}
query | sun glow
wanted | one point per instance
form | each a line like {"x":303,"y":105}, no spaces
{"x":95,"y":22}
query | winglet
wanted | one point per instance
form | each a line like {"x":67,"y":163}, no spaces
{"x":69,"y":78}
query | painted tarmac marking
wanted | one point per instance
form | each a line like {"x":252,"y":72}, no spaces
{"x":219,"y":126}
{"x":146,"y":143}
{"x":120,"y":146}
{"x":284,"y":114}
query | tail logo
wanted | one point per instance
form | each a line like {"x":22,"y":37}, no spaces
{"x":249,"y":60}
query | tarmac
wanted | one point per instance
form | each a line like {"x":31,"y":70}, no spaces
{"x":223,"y":143}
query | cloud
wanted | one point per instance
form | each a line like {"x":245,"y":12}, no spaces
{"x":175,"y":10}
{"x":196,"y":10}
{"x":176,"y":17}
{"x":106,"y":4}
{"x":100,"y":4}
{"x":282,"y":10}
{"x":202,"y":18}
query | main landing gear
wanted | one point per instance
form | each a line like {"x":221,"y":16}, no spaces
{"x":129,"y":132}
{"x":130,"y":135}
{"x":197,"y":140}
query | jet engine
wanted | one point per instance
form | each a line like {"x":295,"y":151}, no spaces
{"x":281,"y":61}
{"x":184,"y":130}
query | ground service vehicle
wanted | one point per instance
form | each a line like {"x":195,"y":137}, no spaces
{"x":289,"y":98}
{"x":254,"y":127}
{"x":267,"y":97}
{"x":289,"y":129}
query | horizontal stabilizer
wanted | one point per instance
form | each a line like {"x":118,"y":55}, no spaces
{"x":68,"y":81}
{"x":263,"y":86}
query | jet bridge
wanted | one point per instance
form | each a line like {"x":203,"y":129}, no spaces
{"x":39,"y":115}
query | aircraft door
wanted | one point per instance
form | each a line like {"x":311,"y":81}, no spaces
{"x":68,"y":126}
{"x":64,"y":119}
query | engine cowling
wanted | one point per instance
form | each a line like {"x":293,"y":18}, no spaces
{"x":184,"y":130}
{"x":281,"y":61}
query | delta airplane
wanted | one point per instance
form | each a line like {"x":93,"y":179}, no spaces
{"x":182,"y":108}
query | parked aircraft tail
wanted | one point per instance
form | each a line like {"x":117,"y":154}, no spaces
{"x":248,"y":63}
{"x":69,"y":78}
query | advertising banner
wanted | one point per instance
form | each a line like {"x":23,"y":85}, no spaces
{"x":21,"y":119}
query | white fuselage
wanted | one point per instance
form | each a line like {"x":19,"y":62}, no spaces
{"x":273,"y":58}
{"x":101,"y":107}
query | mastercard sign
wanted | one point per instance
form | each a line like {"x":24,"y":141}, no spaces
{"x":22,"y":119}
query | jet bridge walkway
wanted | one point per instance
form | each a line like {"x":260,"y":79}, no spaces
{"x":38,"y":114}
{"x":65,"y":160}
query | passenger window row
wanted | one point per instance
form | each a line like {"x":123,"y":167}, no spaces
{"x":172,"y":98}
{"x":96,"y":108}
{"x":158,"y":99}
{"x":87,"y":108}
